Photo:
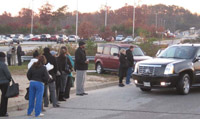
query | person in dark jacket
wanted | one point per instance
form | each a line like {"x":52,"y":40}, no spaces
{"x":129,"y":54}
{"x":81,"y":66}
{"x":69,"y":76}
{"x":5,"y":78}
{"x":19,"y":54}
{"x":63,"y":63}
{"x":38,"y":76}
{"x":123,"y":66}
{"x":51,"y":84}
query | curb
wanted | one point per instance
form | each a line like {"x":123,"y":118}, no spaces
{"x":24,"y":105}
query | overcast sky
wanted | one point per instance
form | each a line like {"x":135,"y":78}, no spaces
{"x":14,"y":6}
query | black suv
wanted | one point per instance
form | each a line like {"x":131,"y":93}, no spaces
{"x":178,"y":67}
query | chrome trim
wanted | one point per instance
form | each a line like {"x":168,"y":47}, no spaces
{"x":151,"y":65}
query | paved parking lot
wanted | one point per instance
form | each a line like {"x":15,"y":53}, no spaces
{"x":126,"y":103}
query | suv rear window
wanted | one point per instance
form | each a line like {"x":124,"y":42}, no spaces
{"x":100,"y":49}
{"x":106,"y":50}
{"x":114,"y":50}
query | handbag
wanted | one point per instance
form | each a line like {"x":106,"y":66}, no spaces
{"x":13,"y":90}
{"x":27,"y":94}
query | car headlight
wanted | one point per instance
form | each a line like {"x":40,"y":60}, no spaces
{"x":169,"y":69}
{"x":136,"y":68}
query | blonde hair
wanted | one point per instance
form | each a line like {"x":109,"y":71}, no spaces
{"x":123,"y":51}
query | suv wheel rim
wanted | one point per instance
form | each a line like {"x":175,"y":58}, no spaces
{"x":186,"y":85}
{"x":98,"y":69}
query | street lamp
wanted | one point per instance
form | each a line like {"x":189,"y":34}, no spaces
{"x":32,"y":19}
{"x":77,"y":20}
{"x":106,"y":14}
{"x":133,"y":19}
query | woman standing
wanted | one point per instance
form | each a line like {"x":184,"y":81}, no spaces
{"x":69,"y":77}
{"x":38,"y":76}
{"x":5,"y":78}
{"x":64,"y":67}
{"x":123,"y":67}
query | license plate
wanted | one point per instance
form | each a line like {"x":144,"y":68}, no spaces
{"x":147,"y":84}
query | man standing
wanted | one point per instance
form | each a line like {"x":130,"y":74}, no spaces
{"x":129,"y":54}
{"x":81,"y":66}
{"x":13,"y":56}
{"x":9,"y":54}
{"x":19,"y":53}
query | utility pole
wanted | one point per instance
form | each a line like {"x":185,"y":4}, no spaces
{"x":106,"y":14}
{"x":133,"y":19}
{"x":32,"y":18}
{"x":77,"y":20}
{"x":156,"y":21}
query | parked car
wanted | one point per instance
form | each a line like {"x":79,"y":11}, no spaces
{"x":2,"y":39}
{"x":128,"y":39}
{"x":18,"y":38}
{"x":73,"y":38}
{"x":110,"y":39}
{"x":45,"y":37}
{"x":62,"y":39}
{"x":54,"y":38}
{"x":28,"y":37}
{"x":36,"y":38}
{"x":178,"y":67}
{"x":119,"y":38}
{"x":97,"y":38}
{"x":107,"y":56}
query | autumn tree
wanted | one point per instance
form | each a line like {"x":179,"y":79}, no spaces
{"x":25,"y":16}
{"x":86,"y":30}
{"x":45,"y":13}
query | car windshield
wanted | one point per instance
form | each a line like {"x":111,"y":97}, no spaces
{"x":178,"y":52}
{"x":136,"y":51}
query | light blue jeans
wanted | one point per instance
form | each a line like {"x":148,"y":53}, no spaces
{"x":36,"y":91}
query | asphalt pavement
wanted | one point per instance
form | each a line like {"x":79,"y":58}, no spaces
{"x":125,"y":103}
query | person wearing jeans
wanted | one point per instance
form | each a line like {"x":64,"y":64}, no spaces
{"x":38,"y":76}
{"x":129,"y":54}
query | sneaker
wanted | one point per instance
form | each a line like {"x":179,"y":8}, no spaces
{"x":121,"y":85}
{"x":85,"y":93}
{"x":56,"y":106}
{"x":41,"y":115}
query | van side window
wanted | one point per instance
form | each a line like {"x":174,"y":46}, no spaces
{"x":198,"y":53}
{"x":114,"y":50}
{"x":100,"y":49}
{"x":106,"y":50}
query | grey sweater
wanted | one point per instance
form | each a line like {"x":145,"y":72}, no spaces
{"x":4,"y":72}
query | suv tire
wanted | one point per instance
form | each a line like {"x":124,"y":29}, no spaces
{"x":145,"y":89}
{"x":183,"y":86}
{"x":99,"y":68}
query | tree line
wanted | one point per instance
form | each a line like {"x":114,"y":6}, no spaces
{"x":150,"y":19}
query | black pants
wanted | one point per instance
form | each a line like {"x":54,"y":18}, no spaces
{"x":58,"y":86}
{"x":121,"y":79}
{"x":19,"y":60}
{"x":4,"y":100}
{"x":68,"y":87}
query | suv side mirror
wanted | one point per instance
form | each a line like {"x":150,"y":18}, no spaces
{"x":196,"y":59}
{"x":116,"y":54}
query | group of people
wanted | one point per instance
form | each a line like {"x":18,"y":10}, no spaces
{"x":14,"y":53}
{"x":126,"y":65}
{"x":48,"y":72}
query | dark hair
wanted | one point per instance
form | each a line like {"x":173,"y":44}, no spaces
{"x":46,"y":50}
{"x":2,"y":55}
{"x":66,"y":49}
{"x":41,"y":61}
{"x":131,"y":47}
{"x":35,"y":54}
